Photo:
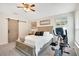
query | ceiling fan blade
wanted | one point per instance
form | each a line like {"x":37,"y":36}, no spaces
{"x":33,"y":5}
{"x":32,"y":10}
{"x":19,"y":7}
{"x":25,"y":5}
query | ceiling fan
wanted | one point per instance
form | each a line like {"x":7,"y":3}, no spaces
{"x":27,"y":7}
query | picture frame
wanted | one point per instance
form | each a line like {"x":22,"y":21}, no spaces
{"x":45,"y":22}
{"x":34,"y":25}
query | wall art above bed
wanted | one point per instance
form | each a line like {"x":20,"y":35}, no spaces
{"x":45,"y":22}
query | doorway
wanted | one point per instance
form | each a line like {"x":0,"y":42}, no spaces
{"x":12,"y":30}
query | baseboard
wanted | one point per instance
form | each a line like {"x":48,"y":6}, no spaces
{"x":3,"y":43}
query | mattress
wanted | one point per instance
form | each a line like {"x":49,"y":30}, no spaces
{"x":37,"y":41}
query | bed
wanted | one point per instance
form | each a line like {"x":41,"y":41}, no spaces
{"x":34,"y":45}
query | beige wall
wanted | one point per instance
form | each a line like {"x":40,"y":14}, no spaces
{"x":3,"y":31}
{"x":24,"y":28}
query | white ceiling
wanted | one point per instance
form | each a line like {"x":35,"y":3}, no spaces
{"x":42,"y":10}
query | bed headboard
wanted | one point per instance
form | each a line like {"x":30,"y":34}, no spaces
{"x":45,"y":28}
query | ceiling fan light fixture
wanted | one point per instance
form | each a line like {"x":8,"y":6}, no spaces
{"x":26,"y":9}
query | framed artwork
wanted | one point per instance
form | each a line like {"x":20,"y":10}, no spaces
{"x":45,"y":22}
{"x":34,"y":25}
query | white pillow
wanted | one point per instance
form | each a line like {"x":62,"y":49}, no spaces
{"x":46,"y":33}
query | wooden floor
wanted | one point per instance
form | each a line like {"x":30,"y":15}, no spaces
{"x":10,"y":50}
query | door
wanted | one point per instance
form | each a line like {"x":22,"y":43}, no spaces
{"x":12,"y":30}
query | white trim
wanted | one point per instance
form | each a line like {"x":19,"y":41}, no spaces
{"x":77,"y":44}
{"x":3,"y":43}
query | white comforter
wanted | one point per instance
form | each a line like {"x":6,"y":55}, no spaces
{"x":37,"y":41}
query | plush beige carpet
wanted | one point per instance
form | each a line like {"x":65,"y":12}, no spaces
{"x":10,"y":50}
